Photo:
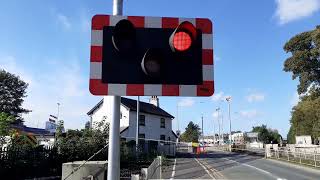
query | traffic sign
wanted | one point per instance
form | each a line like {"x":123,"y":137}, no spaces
{"x":144,"y":56}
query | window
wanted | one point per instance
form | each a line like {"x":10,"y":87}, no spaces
{"x":162,"y":137}
{"x":142,"y":136}
{"x":142,"y":120}
{"x":162,"y":123}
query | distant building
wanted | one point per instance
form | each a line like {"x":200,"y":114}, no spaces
{"x":51,"y":126}
{"x":36,"y":135}
{"x":303,"y":140}
{"x":154,"y":122}
{"x":237,"y":138}
{"x":252,"y":136}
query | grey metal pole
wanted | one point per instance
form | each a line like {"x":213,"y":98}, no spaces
{"x":137,"y":128}
{"x":178,"y":117}
{"x":114,"y":134}
{"x":222,"y":126}
{"x":219,"y":138}
{"x":58,"y":111}
{"x":117,"y":7}
{"x":229,"y":109}
{"x":202,"y":128}
{"x":114,"y":140}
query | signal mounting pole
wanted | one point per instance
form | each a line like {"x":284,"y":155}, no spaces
{"x":114,"y":134}
{"x":137,"y":128}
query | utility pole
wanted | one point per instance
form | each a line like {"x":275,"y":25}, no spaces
{"x":137,"y":128}
{"x":114,"y":134}
{"x":58,"y":111}
{"x":219,"y":136}
{"x":202,"y":128}
{"x":178,"y":117}
{"x":222,"y":126}
{"x":229,"y":109}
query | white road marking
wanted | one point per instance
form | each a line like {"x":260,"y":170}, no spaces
{"x":174,"y":168}
{"x":261,"y":170}
{"x":204,"y":168}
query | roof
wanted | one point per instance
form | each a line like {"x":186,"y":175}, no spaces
{"x":132,"y":105}
{"x":35,"y":131}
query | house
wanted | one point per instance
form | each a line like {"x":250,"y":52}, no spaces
{"x":303,"y":140}
{"x":36,"y":135}
{"x":154,"y":123}
{"x":237,"y":138}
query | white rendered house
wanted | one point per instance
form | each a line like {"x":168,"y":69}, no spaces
{"x":154,"y":122}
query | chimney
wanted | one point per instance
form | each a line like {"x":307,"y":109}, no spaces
{"x":154,"y":100}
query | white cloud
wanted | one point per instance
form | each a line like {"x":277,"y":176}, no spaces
{"x":291,"y":10}
{"x":255,"y":97}
{"x":186,"y":102}
{"x":249,"y":114}
{"x":219,"y":96}
{"x":64,"y":83}
{"x":62,"y":19}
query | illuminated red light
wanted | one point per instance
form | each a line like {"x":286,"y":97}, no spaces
{"x":182,"y":41}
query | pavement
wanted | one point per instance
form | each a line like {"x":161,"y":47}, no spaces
{"x":227,"y":165}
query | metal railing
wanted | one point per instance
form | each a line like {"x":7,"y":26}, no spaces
{"x":305,"y":158}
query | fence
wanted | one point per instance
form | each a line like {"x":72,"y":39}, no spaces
{"x":154,"y":170}
{"x":305,"y":158}
{"x":18,"y":163}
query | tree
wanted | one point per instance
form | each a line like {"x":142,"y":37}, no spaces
{"x":5,"y":121}
{"x":267,"y":135}
{"x":305,"y":117}
{"x":12,"y":92}
{"x":304,"y":62}
{"x":191,"y":133}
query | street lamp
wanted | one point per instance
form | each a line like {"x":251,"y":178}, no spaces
{"x":228,"y":99}
{"x":219,"y":136}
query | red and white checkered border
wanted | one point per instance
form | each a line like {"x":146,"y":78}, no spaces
{"x":98,"y":88}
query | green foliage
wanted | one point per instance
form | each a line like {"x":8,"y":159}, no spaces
{"x":12,"y":92}
{"x":305,"y":118}
{"x":267,"y":135}
{"x":5,"y":122}
{"x":291,"y":136}
{"x":59,"y":130}
{"x":304,"y":61}
{"x":191,"y":133}
{"x":81,"y":144}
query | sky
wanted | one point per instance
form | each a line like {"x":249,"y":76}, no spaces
{"x":47,"y":43}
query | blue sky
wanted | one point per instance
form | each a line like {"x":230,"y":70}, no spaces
{"x":47,"y":44}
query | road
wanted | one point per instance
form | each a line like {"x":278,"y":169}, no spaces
{"x":226,"y":165}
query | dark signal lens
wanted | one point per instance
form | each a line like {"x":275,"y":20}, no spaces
{"x":151,"y":63}
{"x":124,"y":36}
{"x":182,"y":41}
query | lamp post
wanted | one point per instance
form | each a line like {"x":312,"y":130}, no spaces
{"x":219,"y":135}
{"x":228,"y":99}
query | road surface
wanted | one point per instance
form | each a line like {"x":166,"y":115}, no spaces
{"x":226,"y":165}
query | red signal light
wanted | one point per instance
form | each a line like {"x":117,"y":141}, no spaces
{"x":182,"y":41}
{"x":183,"y":37}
